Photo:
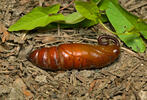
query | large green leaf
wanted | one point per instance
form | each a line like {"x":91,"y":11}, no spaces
{"x":82,"y":24}
{"x":74,"y":18}
{"x":38,"y":17}
{"x":118,"y":18}
{"x":87,"y":9}
{"x":96,"y":1}
{"x":103,"y":5}
{"x":124,"y":22}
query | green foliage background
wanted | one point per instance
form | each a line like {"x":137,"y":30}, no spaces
{"x":129,"y":28}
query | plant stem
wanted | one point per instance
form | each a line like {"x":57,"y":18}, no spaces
{"x":106,"y":27}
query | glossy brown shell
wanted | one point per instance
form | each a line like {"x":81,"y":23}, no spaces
{"x":74,"y":56}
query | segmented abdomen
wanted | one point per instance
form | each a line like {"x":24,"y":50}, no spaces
{"x":74,"y":56}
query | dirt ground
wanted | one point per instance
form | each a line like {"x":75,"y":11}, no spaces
{"x":125,"y":79}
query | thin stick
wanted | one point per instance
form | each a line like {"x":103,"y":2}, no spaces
{"x":67,"y":5}
{"x":133,"y":53}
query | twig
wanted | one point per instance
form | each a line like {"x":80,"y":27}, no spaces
{"x":59,"y":32}
{"x":92,"y":40}
{"x":129,"y":51}
{"x":5,"y":72}
{"x":67,"y":5}
{"x":128,"y":3}
{"x":133,"y":53}
{"x":143,"y":3}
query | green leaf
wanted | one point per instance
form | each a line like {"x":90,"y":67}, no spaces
{"x":118,"y":18}
{"x":38,"y":17}
{"x":134,"y":41}
{"x":88,"y":23}
{"x":124,"y":22}
{"x":82,"y":24}
{"x":74,"y":18}
{"x":142,"y":27}
{"x":104,"y":18}
{"x":103,"y":5}
{"x":47,"y":10}
{"x":62,"y":25}
{"x":96,"y":1}
{"x":87,"y":9}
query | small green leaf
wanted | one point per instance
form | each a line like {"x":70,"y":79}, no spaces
{"x":74,"y":18}
{"x":87,"y":9}
{"x":134,"y":41}
{"x":38,"y":17}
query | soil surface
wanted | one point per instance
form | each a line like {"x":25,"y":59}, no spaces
{"x":125,"y":79}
